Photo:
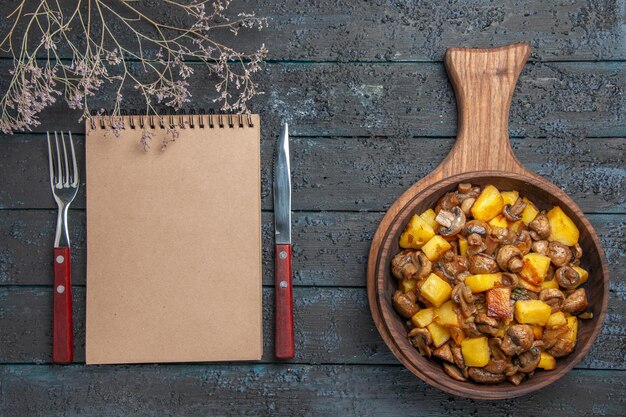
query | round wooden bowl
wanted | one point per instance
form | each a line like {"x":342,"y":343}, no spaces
{"x":483,"y":80}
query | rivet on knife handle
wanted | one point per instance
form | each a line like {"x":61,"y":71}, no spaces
{"x":284,"y":348}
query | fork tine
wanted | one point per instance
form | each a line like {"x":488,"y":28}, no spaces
{"x":74,"y":165}
{"x":50,"y":162}
{"x":66,"y":178}
{"x":59,"y":179}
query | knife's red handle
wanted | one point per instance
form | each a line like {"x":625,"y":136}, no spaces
{"x":62,"y":350}
{"x":284,"y":348}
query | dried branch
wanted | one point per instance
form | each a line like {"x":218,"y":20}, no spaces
{"x":102,"y":56}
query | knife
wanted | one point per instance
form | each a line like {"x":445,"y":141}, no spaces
{"x":284,"y":344}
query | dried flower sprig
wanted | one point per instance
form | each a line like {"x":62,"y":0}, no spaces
{"x":121,"y":44}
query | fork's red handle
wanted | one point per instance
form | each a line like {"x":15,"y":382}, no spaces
{"x":62,"y":349}
{"x":284,"y":346}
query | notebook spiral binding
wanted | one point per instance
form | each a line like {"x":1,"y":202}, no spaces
{"x":209,"y":119}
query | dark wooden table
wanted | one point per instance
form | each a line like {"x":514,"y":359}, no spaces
{"x":363,"y":87}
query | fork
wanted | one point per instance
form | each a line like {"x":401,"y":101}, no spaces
{"x":64,"y":184}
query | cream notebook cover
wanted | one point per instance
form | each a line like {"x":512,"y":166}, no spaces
{"x":174,"y":242}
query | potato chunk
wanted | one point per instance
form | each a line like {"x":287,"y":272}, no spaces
{"x":510,"y":197}
{"x":562,"y":228}
{"x":532,"y":312}
{"x":436,"y":290}
{"x":583,"y":274}
{"x":436,"y":247}
{"x":547,"y":362}
{"x":537,"y":331}
{"x":408,"y":285}
{"x":488,"y":204}
{"x":499,"y":303}
{"x":516,"y":226}
{"x":535,"y":268}
{"x":475,"y":351}
{"x":439,"y":334}
{"x":499,"y":221}
{"x":416,"y":233}
{"x":572,"y":325}
{"x":549,"y":284}
{"x":556,"y":320}
{"x":423,"y":317}
{"x":530,"y":211}
{"x":463,"y":245}
{"x":482,"y":282}
{"x":446,"y":314}
{"x":429,"y":217}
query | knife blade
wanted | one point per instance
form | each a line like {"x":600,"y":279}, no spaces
{"x":284,"y":337}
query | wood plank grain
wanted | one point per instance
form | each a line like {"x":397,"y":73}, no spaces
{"x":402,"y":99}
{"x":408,"y":31}
{"x":332,"y":325}
{"x":287,"y":390}
{"x":359,"y":174}
{"x":330,"y":248}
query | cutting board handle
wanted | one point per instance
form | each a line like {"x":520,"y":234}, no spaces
{"x":484,"y":81}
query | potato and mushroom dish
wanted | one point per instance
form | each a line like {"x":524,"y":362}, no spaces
{"x":490,"y":285}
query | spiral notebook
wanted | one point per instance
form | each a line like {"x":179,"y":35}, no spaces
{"x":173,"y":239}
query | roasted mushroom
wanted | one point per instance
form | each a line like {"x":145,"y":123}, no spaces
{"x":457,"y":355}
{"x":576,"y":302}
{"x":447,"y":202}
{"x":453,"y":372}
{"x":410,"y":264}
{"x":482,"y":264}
{"x":516,"y":379}
{"x":553,"y":297}
{"x":496,"y":366}
{"x":451,"y":222}
{"x":567,"y":277}
{"x":577,"y":251}
{"x":491,"y":244}
{"x":462,"y":295}
{"x":421,"y":339}
{"x":529,"y":360}
{"x":476,"y":226}
{"x":470,"y":329}
{"x":508,"y":279}
{"x":540,"y":227}
{"x":551,"y":336}
{"x":549,"y":273}
{"x":514,"y":213}
{"x":559,"y":253}
{"x":405,"y":304}
{"x":466,"y":205}
{"x":464,"y":188}
{"x":476,"y":244}
{"x":444,"y":352}
{"x":454,"y":264}
{"x":474,"y":239}
{"x":523,"y":242}
{"x":518,"y":339}
{"x":486,"y":324}
{"x":403,"y":266}
{"x":494,"y":347}
{"x":504,"y":236}
{"x":541,"y":246}
{"x":485,"y":377}
{"x":509,"y":258}
{"x":562,"y":347}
